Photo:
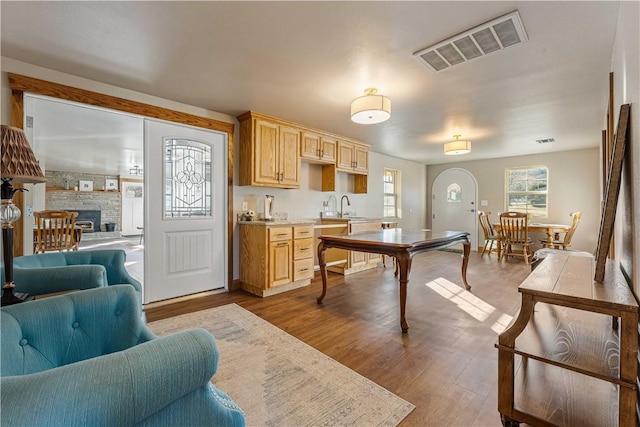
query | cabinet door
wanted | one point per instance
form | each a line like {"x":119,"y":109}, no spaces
{"x":361,"y":160}
{"x":310,"y":145}
{"x":280,"y":260}
{"x":328,"y":149}
{"x":357,"y":259}
{"x":266,"y":152}
{"x":374,"y":258}
{"x":345,"y":155}
{"x":289,"y":157}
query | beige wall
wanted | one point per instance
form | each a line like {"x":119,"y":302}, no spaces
{"x":573,"y":186}
{"x":625,"y":65}
{"x":303,"y":203}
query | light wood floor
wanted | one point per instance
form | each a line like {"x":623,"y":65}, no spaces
{"x":446,"y":364}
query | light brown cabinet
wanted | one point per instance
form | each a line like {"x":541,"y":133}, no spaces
{"x":355,"y":261}
{"x":352,"y":157}
{"x":269,"y":153}
{"x":276,"y":258}
{"x":316,"y":148}
{"x":271,"y":150}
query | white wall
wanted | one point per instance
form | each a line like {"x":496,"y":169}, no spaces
{"x":625,"y":65}
{"x":303,"y":203}
{"x":573,"y":186}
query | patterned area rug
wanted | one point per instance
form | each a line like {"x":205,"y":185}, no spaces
{"x":278,"y":380}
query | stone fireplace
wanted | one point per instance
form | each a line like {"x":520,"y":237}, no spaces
{"x":88,"y":220}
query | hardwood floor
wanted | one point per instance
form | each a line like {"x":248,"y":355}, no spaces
{"x":446,"y":364}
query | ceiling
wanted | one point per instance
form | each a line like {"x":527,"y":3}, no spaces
{"x":306,"y":61}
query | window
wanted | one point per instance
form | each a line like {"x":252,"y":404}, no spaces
{"x":392,"y":194}
{"x":526,"y":190}
{"x":187,"y":177}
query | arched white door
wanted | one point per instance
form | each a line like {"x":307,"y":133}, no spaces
{"x":454,"y":203}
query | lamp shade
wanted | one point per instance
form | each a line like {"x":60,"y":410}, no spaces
{"x":19,"y":163}
{"x":457,"y":147}
{"x":371,"y":108}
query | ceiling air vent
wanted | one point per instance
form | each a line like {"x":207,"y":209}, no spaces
{"x":492,"y":36}
{"x":545,"y":141}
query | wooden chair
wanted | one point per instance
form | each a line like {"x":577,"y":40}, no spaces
{"x":55,"y":231}
{"x":491,"y":237}
{"x":514,"y":232}
{"x":566,"y":241}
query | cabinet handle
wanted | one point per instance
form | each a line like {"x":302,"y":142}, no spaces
{"x":282,"y":244}
{"x":305,"y":269}
{"x":304,"y":249}
{"x":281,"y":234}
{"x":318,"y":152}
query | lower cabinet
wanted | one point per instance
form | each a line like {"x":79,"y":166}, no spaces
{"x":357,"y":261}
{"x":275,"y":258}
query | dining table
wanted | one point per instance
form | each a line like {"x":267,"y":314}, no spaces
{"x":400,"y":244}
{"x":550,"y":229}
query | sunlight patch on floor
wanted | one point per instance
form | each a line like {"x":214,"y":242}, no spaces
{"x":465,"y":300}
{"x":501,"y":324}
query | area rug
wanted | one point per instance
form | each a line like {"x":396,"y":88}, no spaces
{"x":278,"y":380}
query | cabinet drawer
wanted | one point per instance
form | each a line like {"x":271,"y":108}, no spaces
{"x":303,"y":269}
{"x":303,"y":248}
{"x":302,"y":231}
{"x":277,"y":234}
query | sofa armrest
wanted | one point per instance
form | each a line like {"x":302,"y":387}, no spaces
{"x":46,"y":280}
{"x":122,"y":388}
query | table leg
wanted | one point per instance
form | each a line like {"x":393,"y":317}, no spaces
{"x":403,"y":261}
{"x":323,"y":270}
{"x":465,"y":262}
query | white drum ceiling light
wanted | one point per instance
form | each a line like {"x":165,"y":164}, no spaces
{"x":371,"y":108}
{"x":457,"y":147}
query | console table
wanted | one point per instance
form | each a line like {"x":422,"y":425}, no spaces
{"x":400,"y":244}
{"x":562,"y":361}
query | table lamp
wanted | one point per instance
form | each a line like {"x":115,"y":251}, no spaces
{"x":19,"y":165}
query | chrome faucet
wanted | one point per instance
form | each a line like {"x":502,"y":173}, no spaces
{"x":341,"y":201}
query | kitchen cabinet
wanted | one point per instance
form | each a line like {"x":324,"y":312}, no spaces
{"x":352,"y":157}
{"x":353,"y":261}
{"x":275,"y":258}
{"x":269,"y":152}
{"x":561,"y":361}
{"x":317,"y":148}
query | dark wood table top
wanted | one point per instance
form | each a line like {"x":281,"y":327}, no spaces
{"x":395,"y":239}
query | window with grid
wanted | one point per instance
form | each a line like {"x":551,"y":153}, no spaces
{"x":391,"y":207}
{"x":527,"y":190}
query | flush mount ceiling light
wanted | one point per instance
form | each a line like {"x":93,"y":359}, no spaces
{"x":456,"y":147}
{"x":371,"y":108}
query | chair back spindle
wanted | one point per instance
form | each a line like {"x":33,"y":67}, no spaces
{"x":55,"y":231}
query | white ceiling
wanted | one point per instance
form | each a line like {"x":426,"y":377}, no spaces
{"x":306,"y":61}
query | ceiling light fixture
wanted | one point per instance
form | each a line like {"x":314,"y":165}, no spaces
{"x":135,"y":170}
{"x":371,"y":108}
{"x":456,"y":147}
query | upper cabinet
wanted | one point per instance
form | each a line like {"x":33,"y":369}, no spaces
{"x":269,"y":153}
{"x":353,"y":157}
{"x":316,"y":148}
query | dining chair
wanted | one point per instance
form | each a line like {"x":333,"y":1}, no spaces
{"x":514,"y":232}
{"x":491,"y":237}
{"x":55,"y":231}
{"x":565,"y":242}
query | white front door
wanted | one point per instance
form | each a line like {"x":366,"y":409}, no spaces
{"x":185,"y":210}
{"x":454,"y":203}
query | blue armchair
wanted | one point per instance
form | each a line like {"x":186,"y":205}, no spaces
{"x":86,"y":358}
{"x":63,"y":271}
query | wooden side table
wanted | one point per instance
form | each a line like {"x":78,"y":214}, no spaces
{"x":574,"y":367}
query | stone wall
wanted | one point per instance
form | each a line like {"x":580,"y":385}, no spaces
{"x":59,"y":198}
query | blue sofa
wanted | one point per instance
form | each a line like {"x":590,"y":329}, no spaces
{"x":86,"y":359}
{"x":63,"y":271}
